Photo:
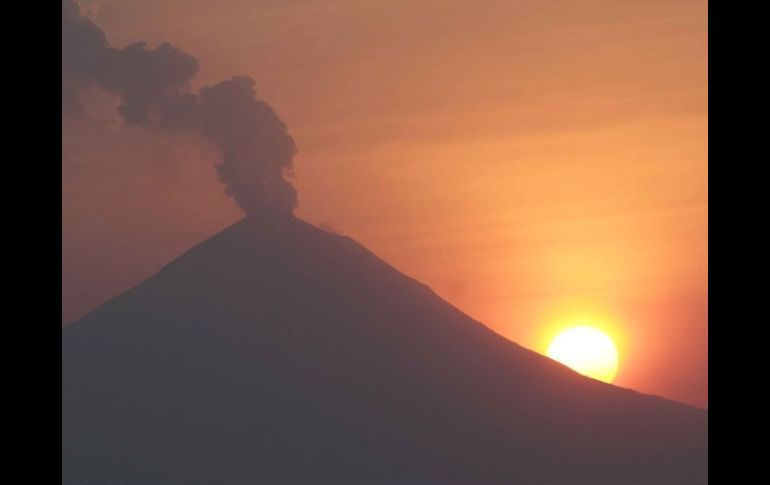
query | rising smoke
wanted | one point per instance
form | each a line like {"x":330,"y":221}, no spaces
{"x":153,"y":88}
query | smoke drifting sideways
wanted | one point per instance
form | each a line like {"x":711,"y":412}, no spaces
{"x":153,"y":88}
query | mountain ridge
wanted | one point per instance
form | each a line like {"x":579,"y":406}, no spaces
{"x":355,"y":372}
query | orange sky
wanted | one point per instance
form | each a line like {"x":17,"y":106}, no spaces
{"x":531,"y":161}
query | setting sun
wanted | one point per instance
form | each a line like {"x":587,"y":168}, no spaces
{"x":586,"y":350}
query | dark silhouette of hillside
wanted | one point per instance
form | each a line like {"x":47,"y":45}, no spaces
{"x":276,"y":352}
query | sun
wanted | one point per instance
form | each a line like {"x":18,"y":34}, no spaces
{"x":587,"y":350}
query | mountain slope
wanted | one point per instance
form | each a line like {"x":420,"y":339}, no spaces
{"x":276,"y":352}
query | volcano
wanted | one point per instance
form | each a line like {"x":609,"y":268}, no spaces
{"x":279,"y":353}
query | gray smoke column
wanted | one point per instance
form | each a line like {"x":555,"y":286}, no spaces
{"x":153,"y":87}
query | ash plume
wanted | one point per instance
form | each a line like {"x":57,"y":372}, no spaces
{"x":153,"y":86}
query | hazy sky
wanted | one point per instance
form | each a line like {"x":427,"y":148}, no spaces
{"x":533,"y":162}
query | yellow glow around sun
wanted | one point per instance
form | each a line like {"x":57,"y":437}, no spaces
{"x":586,"y":350}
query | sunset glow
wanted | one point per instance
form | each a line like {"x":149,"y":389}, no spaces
{"x":382,"y":242}
{"x":529,"y":161}
{"x":586,"y":350}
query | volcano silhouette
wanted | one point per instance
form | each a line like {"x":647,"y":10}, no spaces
{"x":278,"y":353}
